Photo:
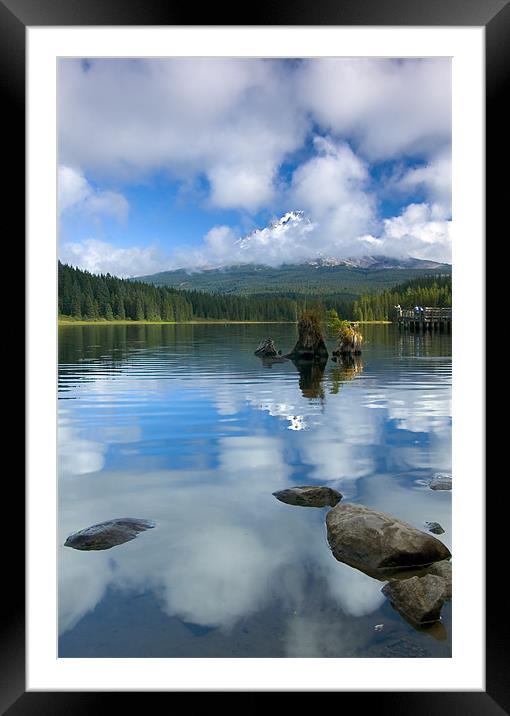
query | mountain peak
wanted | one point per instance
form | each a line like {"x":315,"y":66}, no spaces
{"x":276,"y":229}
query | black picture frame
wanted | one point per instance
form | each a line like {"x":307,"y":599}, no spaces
{"x":15,"y":17}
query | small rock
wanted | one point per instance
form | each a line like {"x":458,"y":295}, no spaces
{"x":419,"y":599}
{"x":108,"y":534}
{"x":309,"y":496}
{"x":435,"y":528}
{"x":377,"y":543}
{"x":441,"y":481}
{"x":443,"y":569}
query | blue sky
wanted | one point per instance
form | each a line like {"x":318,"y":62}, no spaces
{"x":165,"y":163}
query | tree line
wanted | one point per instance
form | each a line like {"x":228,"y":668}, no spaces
{"x":83,"y":295}
{"x":433,"y":291}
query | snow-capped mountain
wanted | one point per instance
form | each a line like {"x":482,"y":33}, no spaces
{"x":265,"y":260}
{"x":374,"y":262}
{"x":296,"y":223}
{"x":292,"y":221}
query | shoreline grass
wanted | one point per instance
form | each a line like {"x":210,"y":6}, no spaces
{"x":198,"y":321}
{"x":194,"y":322}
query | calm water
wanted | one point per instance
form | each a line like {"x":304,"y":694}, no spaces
{"x":185,"y":426}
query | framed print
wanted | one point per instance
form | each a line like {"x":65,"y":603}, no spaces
{"x":221,"y":193}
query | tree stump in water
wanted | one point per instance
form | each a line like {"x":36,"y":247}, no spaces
{"x":349,"y":341}
{"x":310,"y":344}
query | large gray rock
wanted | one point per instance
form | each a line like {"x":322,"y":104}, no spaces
{"x":309,"y":496}
{"x":443,"y":569}
{"x":441,"y":481}
{"x":108,"y":534}
{"x":419,"y":599}
{"x":377,"y":543}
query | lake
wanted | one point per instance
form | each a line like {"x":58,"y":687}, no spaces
{"x":183,"y":425}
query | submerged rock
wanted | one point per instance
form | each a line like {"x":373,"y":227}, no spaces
{"x":419,"y":599}
{"x":377,"y":543}
{"x":434,"y":527}
{"x":443,"y":569}
{"x":309,"y":496}
{"x":441,"y":481}
{"x":267,"y":349}
{"x":108,"y":534}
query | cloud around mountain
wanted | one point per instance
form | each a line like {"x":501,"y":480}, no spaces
{"x":334,"y":138}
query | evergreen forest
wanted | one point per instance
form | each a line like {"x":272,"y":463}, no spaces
{"x":91,"y":297}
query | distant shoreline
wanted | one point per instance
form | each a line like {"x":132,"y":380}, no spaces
{"x":119,"y":322}
{"x":202,"y":321}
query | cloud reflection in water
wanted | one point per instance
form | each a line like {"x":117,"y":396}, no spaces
{"x":224,"y":550}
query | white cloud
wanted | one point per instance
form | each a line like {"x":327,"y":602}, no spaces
{"x":232,"y":121}
{"x":75,"y":193}
{"x":220,"y":239}
{"x":391,"y":107}
{"x":242,"y":187}
{"x":333,"y":187}
{"x":228,"y":126}
{"x":435,"y":178}
{"x":102,"y":257}
{"x":417,"y":232}
{"x":235,"y":121}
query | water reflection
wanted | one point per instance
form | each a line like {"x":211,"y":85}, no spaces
{"x":311,"y":374}
{"x":185,"y":424}
{"x":347,"y":368}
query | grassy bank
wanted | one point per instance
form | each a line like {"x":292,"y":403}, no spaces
{"x":66,"y":321}
{"x":195,"y":322}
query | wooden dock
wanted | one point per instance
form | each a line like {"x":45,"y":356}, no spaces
{"x":426,"y":319}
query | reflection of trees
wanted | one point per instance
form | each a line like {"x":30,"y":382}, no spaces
{"x":311,"y":374}
{"x":114,"y":342}
{"x":427,"y":344}
{"x":347,"y":368}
